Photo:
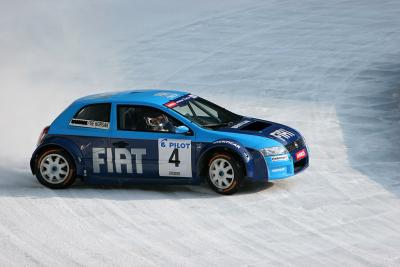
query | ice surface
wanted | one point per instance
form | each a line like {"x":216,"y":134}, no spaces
{"x":330,"y":69}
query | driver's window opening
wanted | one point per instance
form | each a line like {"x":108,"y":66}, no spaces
{"x":145,"y":119}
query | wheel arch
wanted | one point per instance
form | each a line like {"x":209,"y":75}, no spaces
{"x":59,"y":143}
{"x":239,"y":152}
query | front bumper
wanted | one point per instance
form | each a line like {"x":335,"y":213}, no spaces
{"x":284,"y":166}
{"x":279,"y":167}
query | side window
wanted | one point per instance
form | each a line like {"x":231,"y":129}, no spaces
{"x":145,"y":119}
{"x":93,"y":116}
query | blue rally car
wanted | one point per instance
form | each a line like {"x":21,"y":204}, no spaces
{"x":162,"y":136}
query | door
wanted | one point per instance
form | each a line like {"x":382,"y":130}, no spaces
{"x":146,"y":146}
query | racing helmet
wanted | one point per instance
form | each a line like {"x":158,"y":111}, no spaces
{"x":156,"y":121}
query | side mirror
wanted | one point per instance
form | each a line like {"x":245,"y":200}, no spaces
{"x":182,"y":129}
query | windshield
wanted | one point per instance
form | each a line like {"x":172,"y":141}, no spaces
{"x":205,"y":113}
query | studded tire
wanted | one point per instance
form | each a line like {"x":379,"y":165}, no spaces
{"x":55,"y":169}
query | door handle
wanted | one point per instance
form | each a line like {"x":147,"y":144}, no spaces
{"x":120,"y":144}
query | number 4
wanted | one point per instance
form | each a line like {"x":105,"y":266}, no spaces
{"x":175,"y":154}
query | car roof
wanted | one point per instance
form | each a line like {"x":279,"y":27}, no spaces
{"x":153,"y":96}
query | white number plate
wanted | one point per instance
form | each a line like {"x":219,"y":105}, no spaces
{"x":175,"y":157}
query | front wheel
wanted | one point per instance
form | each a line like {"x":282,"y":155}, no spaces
{"x":55,"y":169}
{"x":225,"y":174}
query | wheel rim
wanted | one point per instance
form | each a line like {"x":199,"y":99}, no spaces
{"x":54,"y":168}
{"x":221,"y":173}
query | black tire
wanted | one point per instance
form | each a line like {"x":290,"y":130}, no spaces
{"x":50,"y":169}
{"x":218,"y":179}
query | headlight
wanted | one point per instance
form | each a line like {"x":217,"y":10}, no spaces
{"x":273,"y":151}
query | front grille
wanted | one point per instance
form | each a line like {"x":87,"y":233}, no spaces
{"x":295,"y":145}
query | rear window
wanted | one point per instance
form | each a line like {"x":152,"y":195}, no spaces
{"x":93,"y":116}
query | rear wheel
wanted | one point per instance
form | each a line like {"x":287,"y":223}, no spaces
{"x":55,"y":169}
{"x":225,"y":174}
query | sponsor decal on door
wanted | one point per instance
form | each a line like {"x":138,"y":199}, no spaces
{"x":175,"y":157}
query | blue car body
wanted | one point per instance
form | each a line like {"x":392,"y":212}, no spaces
{"x":99,"y":158}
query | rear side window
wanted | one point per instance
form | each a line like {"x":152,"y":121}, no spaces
{"x":93,"y":116}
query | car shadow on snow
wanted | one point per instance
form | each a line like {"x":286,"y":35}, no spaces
{"x":20,"y":183}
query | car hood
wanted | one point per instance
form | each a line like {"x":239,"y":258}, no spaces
{"x":272,"y":130}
